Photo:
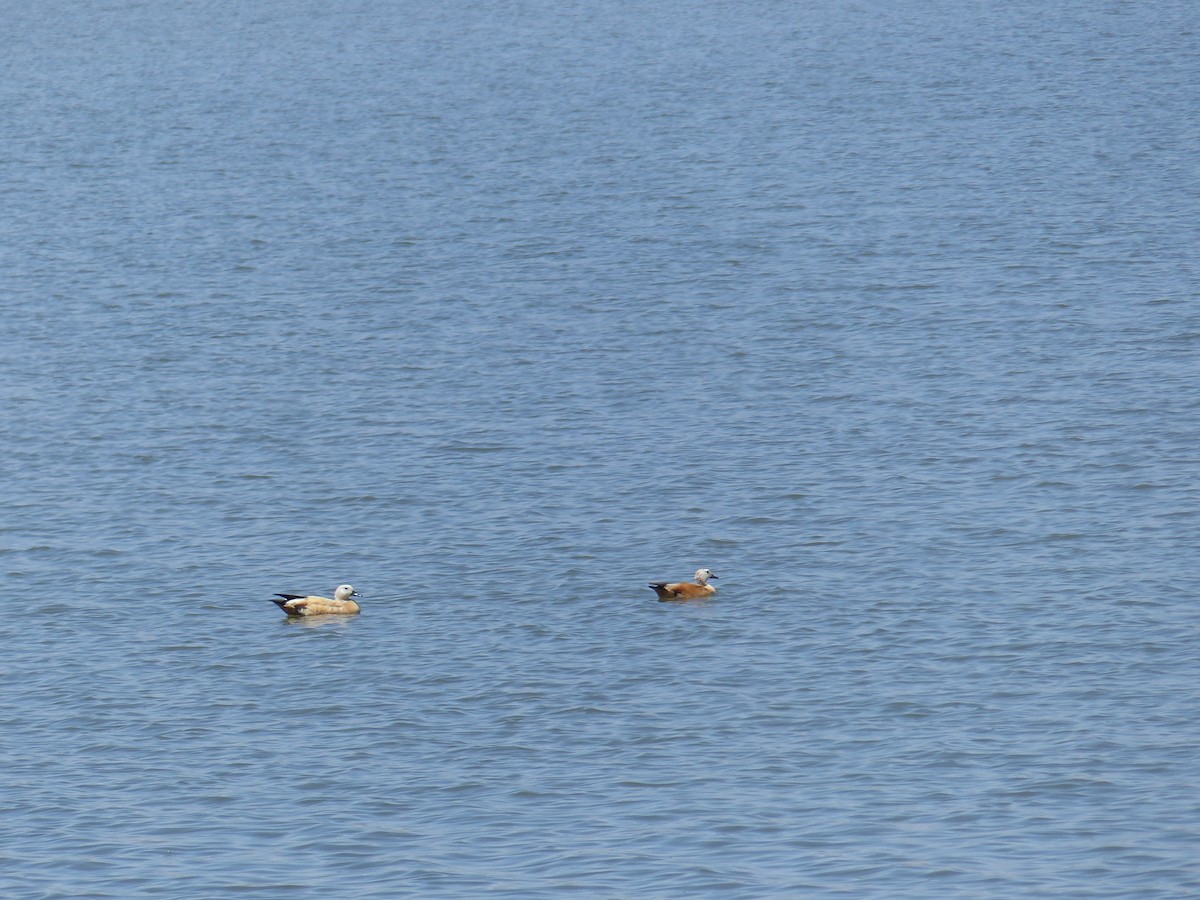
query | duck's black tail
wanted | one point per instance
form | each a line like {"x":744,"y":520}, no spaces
{"x":282,"y":604}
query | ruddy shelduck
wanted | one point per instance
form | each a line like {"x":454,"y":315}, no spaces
{"x":686,"y":590}
{"x":340,"y":605}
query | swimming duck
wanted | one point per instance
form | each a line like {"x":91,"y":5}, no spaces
{"x":340,"y":605}
{"x":685,"y":590}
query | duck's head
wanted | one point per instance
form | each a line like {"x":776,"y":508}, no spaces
{"x":703,"y":575}
{"x":345,"y":592}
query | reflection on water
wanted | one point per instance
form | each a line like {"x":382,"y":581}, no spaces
{"x":318,"y":621}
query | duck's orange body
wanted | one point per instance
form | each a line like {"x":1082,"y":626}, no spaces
{"x":686,"y":590}
{"x":311,"y":605}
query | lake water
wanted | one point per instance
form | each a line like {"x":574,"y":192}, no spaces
{"x":498,"y":311}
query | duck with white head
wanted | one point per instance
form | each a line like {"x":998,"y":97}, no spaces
{"x":686,"y":590}
{"x":341,"y":604}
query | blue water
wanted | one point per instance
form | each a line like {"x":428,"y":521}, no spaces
{"x":887,"y":313}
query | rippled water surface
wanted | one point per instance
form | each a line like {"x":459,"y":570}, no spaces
{"x":885,"y":312}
